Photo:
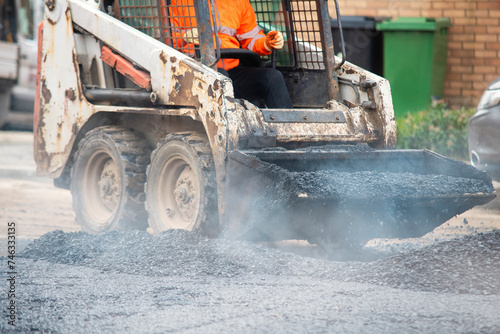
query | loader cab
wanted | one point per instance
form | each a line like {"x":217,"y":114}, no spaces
{"x":306,"y":61}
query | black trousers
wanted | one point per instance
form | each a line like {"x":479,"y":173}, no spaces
{"x":257,"y":84}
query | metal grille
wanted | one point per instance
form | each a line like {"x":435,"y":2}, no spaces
{"x":307,"y":33}
{"x":180,"y":16}
{"x":298,"y":20}
{"x":169,"y":21}
{"x":271,"y":15}
{"x":140,"y":14}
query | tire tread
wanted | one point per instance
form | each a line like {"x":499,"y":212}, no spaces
{"x":134,"y":151}
{"x":199,"y":143}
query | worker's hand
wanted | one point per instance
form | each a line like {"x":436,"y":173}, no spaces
{"x":274,"y":40}
{"x":191,"y":36}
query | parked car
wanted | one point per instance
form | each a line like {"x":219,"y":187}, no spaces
{"x":484,"y":132}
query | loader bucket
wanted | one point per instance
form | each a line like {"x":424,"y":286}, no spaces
{"x":346,"y":193}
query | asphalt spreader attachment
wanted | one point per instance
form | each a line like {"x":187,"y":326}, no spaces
{"x":347,"y":194}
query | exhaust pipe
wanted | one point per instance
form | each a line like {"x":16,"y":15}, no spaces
{"x":134,"y":97}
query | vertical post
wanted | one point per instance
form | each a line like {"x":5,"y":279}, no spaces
{"x":205,"y":32}
{"x":333,"y":85}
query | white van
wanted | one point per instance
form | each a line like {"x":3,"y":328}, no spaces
{"x":18,"y":55}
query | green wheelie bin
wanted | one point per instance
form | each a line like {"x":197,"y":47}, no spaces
{"x":415,"y":51}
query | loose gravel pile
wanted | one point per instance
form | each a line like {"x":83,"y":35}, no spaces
{"x":333,"y":184}
{"x":468,"y":265}
{"x":172,"y":253}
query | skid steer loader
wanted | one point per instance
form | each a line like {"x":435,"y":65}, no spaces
{"x":142,"y":130}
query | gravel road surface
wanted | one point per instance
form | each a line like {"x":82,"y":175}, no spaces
{"x":67,"y":281}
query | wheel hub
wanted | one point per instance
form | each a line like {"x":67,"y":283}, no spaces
{"x":185,"y":193}
{"x":109,"y":186}
{"x":178,"y":192}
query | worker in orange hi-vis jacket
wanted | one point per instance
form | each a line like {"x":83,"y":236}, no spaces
{"x":238,"y":29}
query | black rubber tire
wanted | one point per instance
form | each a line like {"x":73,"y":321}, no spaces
{"x":4,"y":106}
{"x":182,"y":160}
{"x":107,"y":180}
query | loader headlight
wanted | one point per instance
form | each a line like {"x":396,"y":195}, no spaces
{"x":490,"y":98}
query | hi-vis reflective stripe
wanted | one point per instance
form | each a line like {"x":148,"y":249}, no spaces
{"x":250,"y":34}
{"x":222,"y":30}
{"x":253,"y":34}
{"x":252,"y":43}
{"x":227,"y":31}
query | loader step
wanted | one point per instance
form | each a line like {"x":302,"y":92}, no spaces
{"x":303,"y":116}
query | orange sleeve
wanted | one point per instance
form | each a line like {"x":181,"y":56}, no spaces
{"x":249,"y":33}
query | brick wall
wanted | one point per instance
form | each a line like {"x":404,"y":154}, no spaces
{"x":474,"y":42}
